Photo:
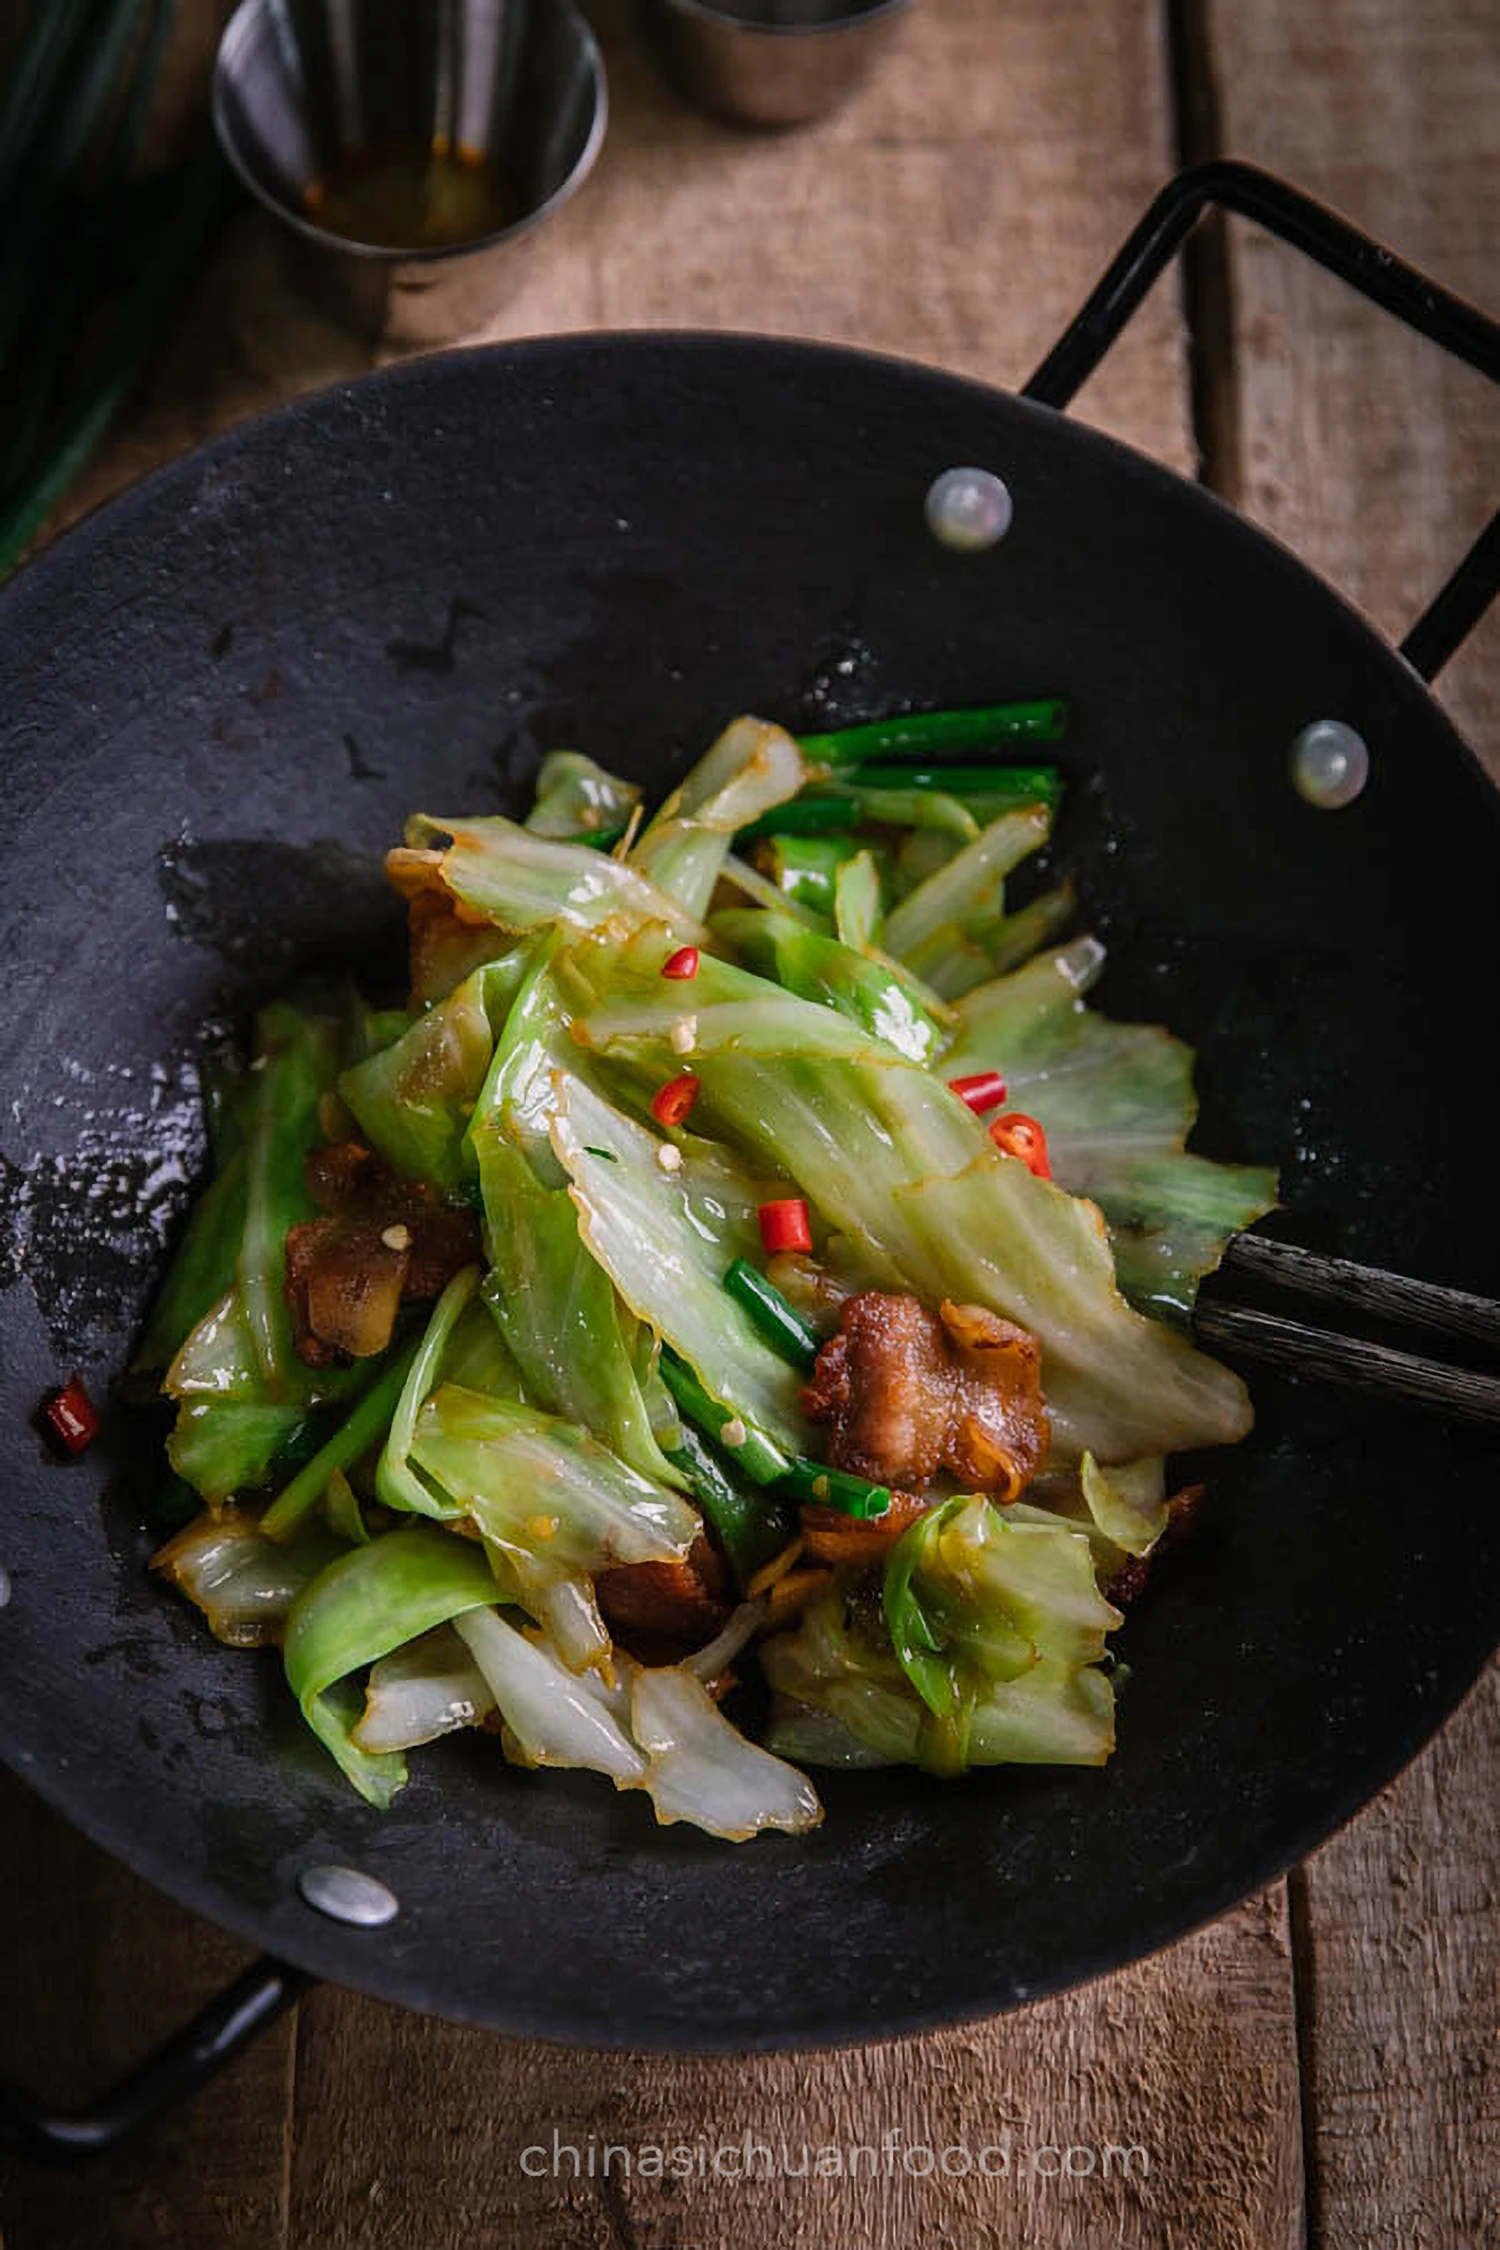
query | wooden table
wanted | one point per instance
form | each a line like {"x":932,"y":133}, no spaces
{"x":1317,"y":2066}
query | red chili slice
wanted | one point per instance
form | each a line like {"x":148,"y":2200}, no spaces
{"x":1016,"y":1134}
{"x":785,"y":1225}
{"x":71,"y":1418}
{"x":674,"y":1100}
{"x":984,"y":1090}
{"x":682,"y":963}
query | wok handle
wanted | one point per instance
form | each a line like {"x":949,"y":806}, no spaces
{"x":1321,"y":235}
{"x":179,"y":2067}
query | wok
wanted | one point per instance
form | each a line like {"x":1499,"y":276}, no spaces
{"x":221,"y":695}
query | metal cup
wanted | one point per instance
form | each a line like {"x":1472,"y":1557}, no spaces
{"x":770,"y":62}
{"x":516,"y":84}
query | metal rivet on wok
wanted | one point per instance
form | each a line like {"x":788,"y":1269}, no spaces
{"x":1330,"y":764}
{"x":968,"y":509}
{"x":4,"y":1588}
{"x":345,"y":1895}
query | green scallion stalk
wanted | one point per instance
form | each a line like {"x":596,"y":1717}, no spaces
{"x":37,"y":69}
{"x":203,"y":197}
{"x":1031,"y":785}
{"x":836,"y":1488}
{"x":354,"y":1436}
{"x":750,"y":1523}
{"x":895,"y":794}
{"x":817,"y":812}
{"x":925,"y":734}
{"x":758,"y":1456}
{"x":779,"y":1322}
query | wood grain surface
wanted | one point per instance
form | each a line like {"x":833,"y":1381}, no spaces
{"x":1318,"y":2065}
{"x":1378,"y":459}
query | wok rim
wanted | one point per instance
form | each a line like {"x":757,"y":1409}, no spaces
{"x":374,"y":1973}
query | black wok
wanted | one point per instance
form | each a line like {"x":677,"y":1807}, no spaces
{"x":220,"y":696}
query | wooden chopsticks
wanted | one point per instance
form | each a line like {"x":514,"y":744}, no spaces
{"x":1362,"y":1293}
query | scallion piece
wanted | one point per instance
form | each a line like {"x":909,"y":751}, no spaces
{"x":751,"y":1525}
{"x":354,"y":1436}
{"x":1013,"y":784}
{"x":897,"y":795}
{"x":836,"y":1488}
{"x":924,"y":734}
{"x":817,"y":812}
{"x":779,"y":1322}
{"x":761,"y":1459}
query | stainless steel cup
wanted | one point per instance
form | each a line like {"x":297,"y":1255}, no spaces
{"x":771,"y":62}
{"x":515,"y":84}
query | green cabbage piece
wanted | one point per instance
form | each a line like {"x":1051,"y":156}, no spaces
{"x":967,"y":893}
{"x":372,"y":1600}
{"x":1117,"y":1104}
{"x":805,"y":869}
{"x":553,"y":1505}
{"x":244,"y":1394}
{"x":878,"y":994}
{"x":296,"y":1062}
{"x":956,"y":959}
{"x":903,"y":1171}
{"x":461,"y":1342}
{"x":576,"y":1347}
{"x":982,"y":1647}
{"x":666,"y":1240}
{"x":521,"y":881}
{"x":201,"y":1272}
{"x":222,"y":1446}
{"x":1170,"y":1217}
{"x":575,"y":797}
{"x":856,"y":902}
{"x":516,"y":1102}
{"x":244,"y":1583}
{"x":751,"y":767}
{"x":412,"y":1101}
{"x":558,"y":1311}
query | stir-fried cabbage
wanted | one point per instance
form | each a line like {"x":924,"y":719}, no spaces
{"x":582,"y":1493}
{"x":905,"y":1171}
{"x":665,"y":1238}
{"x":426,"y":1688}
{"x":373,"y":1599}
{"x":983,"y":1650}
{"x":654,"y":1728}
{"x":750,"y":768}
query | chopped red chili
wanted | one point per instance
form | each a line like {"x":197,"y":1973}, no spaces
{"x":1016,"y":1134}
{"x":682,"y":963}
{"x":785,"y":1225}
{"x":70,"y":1417}
{"x":675,"y":1099}
{"x":984,"y":1090}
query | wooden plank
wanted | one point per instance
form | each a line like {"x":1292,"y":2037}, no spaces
{"x":1165,"y":2092}
{"x":1397,"y":1926}
{"x":1378,"y":461}
{"x":1363,"y":447}
{"x":95,"y":1969}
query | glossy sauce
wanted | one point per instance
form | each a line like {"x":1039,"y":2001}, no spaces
{"x":413,"y":197}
